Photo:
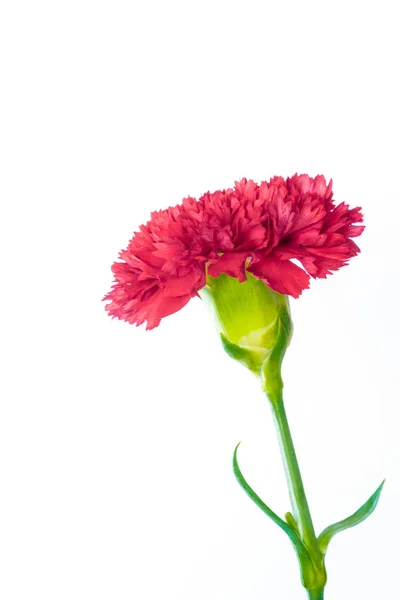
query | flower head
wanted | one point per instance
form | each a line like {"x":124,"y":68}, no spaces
{"x":255,"y":228}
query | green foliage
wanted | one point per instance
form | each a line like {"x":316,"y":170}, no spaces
{"x":312,"y":568}
{"x":360,"y":515}
{"x":291,"y":532}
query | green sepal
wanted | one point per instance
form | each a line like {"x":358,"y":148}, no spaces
{"x":246,"y":357}
{"x":271,"y":368}
{"x":303,"y":555}
{"x":360,"y":515}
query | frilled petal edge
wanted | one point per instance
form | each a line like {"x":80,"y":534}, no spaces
{"x":283,"y":276}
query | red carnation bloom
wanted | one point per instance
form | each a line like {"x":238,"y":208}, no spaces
{"x":255,"y":228}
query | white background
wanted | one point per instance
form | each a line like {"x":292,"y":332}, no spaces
{"x":116,"y":443}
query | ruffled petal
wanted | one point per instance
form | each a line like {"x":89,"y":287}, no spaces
{"x":281,"y":275}
{"x":231,"y":263}
{"x":163,"y":308}
{"x":180,"y":286}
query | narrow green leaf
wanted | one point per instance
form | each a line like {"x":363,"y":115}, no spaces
{"x":360,"y":515}
{"x":301,"y":550}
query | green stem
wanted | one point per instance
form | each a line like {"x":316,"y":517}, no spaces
{"x":316,"y":595}
{"x":297,"y":494}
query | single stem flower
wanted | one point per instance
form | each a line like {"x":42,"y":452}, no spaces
{"x":235,"y":249}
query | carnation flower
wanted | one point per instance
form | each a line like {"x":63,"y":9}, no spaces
{"x":251,"y":228}
{"x":236,"y":249}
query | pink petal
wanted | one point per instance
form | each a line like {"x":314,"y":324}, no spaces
{"x":231,"y":263}
{"x":179,"y":286}
{"x":281,"y":275}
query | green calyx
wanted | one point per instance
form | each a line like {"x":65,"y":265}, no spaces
{"x":254,"y":324}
